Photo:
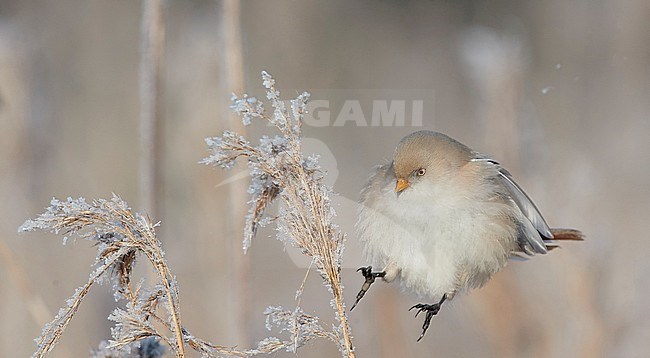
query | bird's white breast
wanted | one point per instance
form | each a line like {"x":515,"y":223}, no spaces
{"x":440,"y":238}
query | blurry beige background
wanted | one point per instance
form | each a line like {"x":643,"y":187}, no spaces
{"x":558,"y":91}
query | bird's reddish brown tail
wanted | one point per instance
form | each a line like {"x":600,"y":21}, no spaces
{"x":566,"y":235}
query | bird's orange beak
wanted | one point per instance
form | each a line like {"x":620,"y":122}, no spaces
{"x":401,"y":185}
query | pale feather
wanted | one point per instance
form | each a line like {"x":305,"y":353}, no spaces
{"x":439,"y":237}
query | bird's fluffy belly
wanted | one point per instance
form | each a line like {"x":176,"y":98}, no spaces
{"x":437,"y":247}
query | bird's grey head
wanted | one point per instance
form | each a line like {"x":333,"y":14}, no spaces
{"x":427,"y":155}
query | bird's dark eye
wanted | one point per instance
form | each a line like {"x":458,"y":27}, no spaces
{"x":421,"y":172}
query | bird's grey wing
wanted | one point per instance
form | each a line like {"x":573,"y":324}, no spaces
{"x":535,"y":229}
{"x":535,"y":226}
{"x":524,"y":203}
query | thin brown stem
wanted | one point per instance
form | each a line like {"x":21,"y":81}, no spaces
{"x":173,"y":310}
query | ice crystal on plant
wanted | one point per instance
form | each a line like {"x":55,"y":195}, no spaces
{"x":247,"y":107}
{"x":301,"y":326}
{"x":311,"y":163}
{"x":267,"y":80}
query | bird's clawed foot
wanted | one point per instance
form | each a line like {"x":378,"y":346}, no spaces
{"x":431,"y":310}
{"x":370,"y":279}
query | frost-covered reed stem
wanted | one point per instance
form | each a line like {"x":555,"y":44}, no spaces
{"x":279,"y":170}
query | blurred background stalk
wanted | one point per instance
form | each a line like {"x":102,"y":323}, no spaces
{"x":239,"y":293}
{"x":152,"y":52}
